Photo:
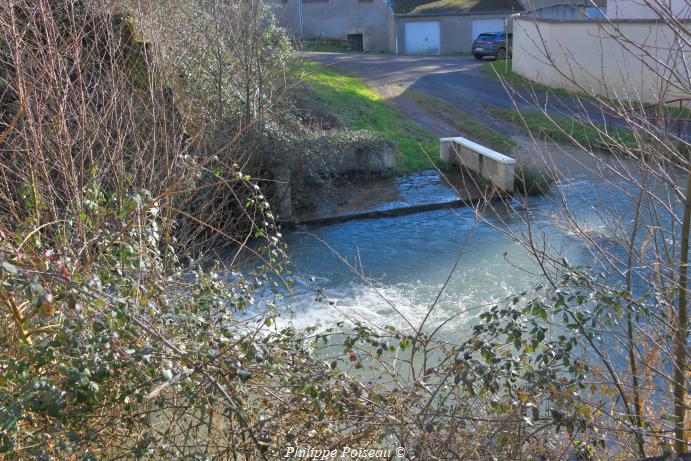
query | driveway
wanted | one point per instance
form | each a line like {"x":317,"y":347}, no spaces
{"x":458,"y":80}
{"x":455,"y":79}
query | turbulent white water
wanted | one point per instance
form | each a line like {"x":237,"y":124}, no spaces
{"x":404,"y":263}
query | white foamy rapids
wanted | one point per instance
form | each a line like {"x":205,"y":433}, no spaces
{"x":400,"y":305}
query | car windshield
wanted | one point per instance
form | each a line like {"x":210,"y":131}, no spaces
{"x":483,"y":37}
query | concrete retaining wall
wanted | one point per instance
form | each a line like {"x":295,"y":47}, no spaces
{"x":354,"y":160}
{"x":348,"y":161}
{"x":486,"y":163}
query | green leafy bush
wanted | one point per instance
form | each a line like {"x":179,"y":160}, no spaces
{"x":113,"y":348}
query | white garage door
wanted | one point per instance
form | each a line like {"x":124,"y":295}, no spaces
{"x":422,"y":37}
{"x":487,"y":25}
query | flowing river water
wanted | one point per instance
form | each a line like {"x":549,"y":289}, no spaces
{"x":389,"y":271}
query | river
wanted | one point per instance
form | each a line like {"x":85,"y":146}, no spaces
{"x":389,"y":271}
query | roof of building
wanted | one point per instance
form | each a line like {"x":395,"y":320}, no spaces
{"x":440,"y":7}
{"x":566,"y":4}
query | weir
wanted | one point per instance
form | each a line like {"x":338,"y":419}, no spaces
{"x":497,"y":168}
{"x":400,"y":197}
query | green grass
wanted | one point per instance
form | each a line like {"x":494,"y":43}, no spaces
{"x":363,"y":109}
{"x":562,"y":129}
{"x":466,"y":124}
{"x":674,"y":112}
{"x":324,"y":48}
{"x":323,"y":44}
{"x":503,"y":70}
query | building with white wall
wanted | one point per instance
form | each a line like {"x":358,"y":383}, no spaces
{"x":633,"y":53}
{"x":641,"y":9}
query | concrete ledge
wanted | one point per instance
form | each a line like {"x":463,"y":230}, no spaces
{"x":498,"y":168}
{"x":395,"y":212}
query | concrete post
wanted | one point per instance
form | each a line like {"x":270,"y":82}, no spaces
{"x":484,"y":162}
{"x":285,"y":205}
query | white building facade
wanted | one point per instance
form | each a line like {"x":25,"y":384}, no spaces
{"x":635,"y":53}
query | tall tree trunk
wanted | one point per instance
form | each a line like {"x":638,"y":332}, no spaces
{"x":638,"y":406}
{"x":682,"y":328}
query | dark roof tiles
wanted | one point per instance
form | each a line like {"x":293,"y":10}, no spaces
{"x":440,"y":7}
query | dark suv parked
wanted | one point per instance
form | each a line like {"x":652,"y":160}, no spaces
{"x":497,"y":44}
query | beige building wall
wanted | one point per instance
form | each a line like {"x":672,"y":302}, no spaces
{"x":336,"y":19}
{"x":639,"y":9}
{"x":391,"y":31}
{"x":555,"y":53}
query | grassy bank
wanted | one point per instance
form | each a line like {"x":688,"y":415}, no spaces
{"x":324,"y":48}
{"x":324,"y":45}
{"x":562,"y":129}
{"x":503,"y":70}
{"x":359,"y":108}
{"x":466,"y":124}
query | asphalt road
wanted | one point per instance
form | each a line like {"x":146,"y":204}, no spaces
{"x":457,"y":80}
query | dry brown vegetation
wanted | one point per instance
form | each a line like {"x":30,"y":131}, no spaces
{"x":135,"y":136}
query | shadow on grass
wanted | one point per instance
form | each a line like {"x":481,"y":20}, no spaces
{"x":361,"y":108}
